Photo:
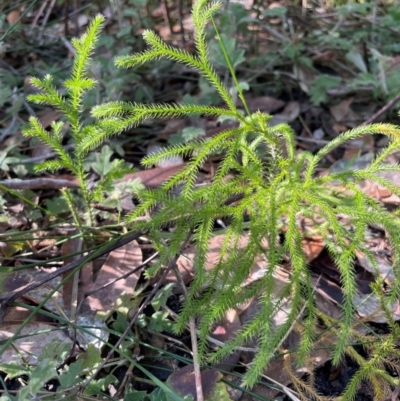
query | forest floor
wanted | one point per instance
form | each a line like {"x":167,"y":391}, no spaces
{"x":323,"y":69}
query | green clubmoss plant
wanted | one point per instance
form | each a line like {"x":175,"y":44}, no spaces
{"x":261,"y":178}
{"x":70,"y":104}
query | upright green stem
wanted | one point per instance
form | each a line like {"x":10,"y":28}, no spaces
{"x":231,"y":69}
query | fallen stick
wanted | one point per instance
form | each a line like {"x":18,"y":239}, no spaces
{"x":383,"y":110}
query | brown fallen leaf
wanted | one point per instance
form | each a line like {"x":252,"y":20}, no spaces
{"x":385,"y":268}
{"x":11,"y":281}
{"x":312,"y":247}
{"x":48,"y":116}
{"x":182,"y":381}
{"x":364,"y":143}
{"x":30,"y":345}
{"x":327,"y":55}
{"x":380,"y":192}
{"x":367,"y":304}
{"x":223,"y":331}
{"x":343,"y":113}
{"x":305,"y":76}
{"x":153,"y":178}
{"x":172,"y":126}
{"x":327,"y":306}
{"x":118,"y":263}
{"x":369,"y":308}
{"x":185,"y":261}
{"x":13,"y":16}
{"x":265,"y":104}
{"x":289,"y":113}
{"x":17,"y":314}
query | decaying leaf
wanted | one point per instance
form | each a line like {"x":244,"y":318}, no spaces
{"x":343,"y":113}
{"x":118,"y":263}
{"x":30,"y":345}
{"x":183,"y":383}
{"x":154,"y":177}
{"x":266,"y":104}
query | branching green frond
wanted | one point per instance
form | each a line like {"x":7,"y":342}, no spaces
{"x":111,"y":109}
{"x":183,"y":150}
{"x":56,"y":128}
{"x":51,"y":139}
{"x":196,"y":10}
{"x":82,"y":85}
{"x":345,"y":265}
{"x":76,"y":86}
{"x":188,"y":174}
{"x":105,"y":129}
{"x":50,"y":95}
{"x":38,"y":130}
{"x":322,"y":207}
{"x":84,"y":48}
{"x":274,"y":184}
{"x":226,"y":165}
{"x":137,"y":59}
{"x":368,"y":173}
{"x":203,"y":65}
{"x":384,"y":153}
{"x":287,"y":133}
{"x":169,"y":252}
{"x":91,"y":137}
{"x":389,"y":130}
{"x":248,"y":331}
{"x":267,"y":346}
{"x":308,"y":325}
{"x":310,"y":169}
{"x":79,"y":83}
{"x":201,"y":237}
{"x":139,"y":212}
{"x":209,"y":73}
{"x":202,"y":15}
{"x":160,"y":47}
{"x":161,"y":110}
{"x":49,"y":165}
{"x":372,"y":176}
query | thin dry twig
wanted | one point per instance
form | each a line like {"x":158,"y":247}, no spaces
{"x":193,"y":338}
{"x":46,"y":17}
{"x":394,"y":396}
{"x":167,"y":16}
{"x":383,"y":110}
{"x":39,"y":183}
{"x":37,"y":159}
{"x":39,"y":13}
{"x":181,"y":18}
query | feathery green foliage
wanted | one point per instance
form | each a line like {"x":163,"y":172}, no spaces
{"x":261,"y":178}
{"x":273,"y":182}
{"x":71,"y":106}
